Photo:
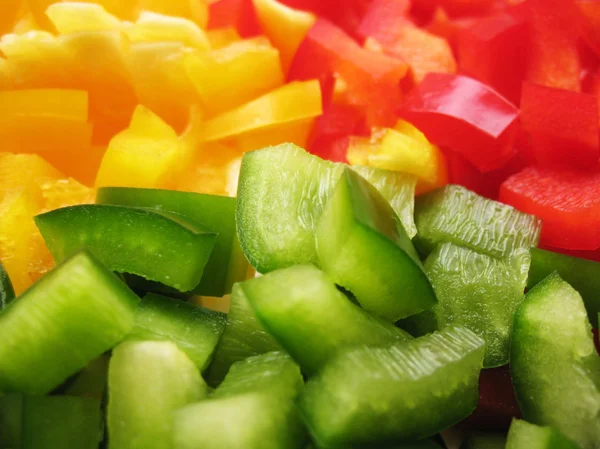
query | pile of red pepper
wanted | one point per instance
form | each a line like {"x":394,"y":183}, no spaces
{"x":509,"y":90}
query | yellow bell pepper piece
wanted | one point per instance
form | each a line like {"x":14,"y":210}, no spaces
{"x":24,"y":172}
{"x":6,"y":80}
{"x":9,"y":12}
{"x":284,"y":26}
{"x":153,"y":27}
{"x":403,"y":153}
{"x":196,"y":10}
{"x":222,"y":37}
{"x":73,"y":17}
{"x":216,"y":74}
{"x":58,"y":103}
{"x":295,"y":132}
{"x":145,"y":155}
{"x":293,"y":102}
{"x":410,"y":130}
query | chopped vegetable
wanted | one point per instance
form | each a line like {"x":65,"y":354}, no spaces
{"x":523,"y":435}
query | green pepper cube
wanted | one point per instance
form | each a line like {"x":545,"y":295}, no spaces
{"x":402,"y":392}
{"x":456,"y":215}
{"x":480,"y":293}
{"x":71,"y":316}
{"x":128,"y":240}
{"x":554,"y":364}
{"x":523,"y":435}
{"x":310,"y":318}
{"x":226,"y":264}
{"x":364,"y":248}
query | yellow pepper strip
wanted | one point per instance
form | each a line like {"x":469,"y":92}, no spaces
{"x":296,"y":132}
{"x":284,"y":26}
{"x":144,"y":155}
{"x":291,"y":103}
{"x":216,"y":74}
{"x":155,"y":64}
{"x":153,"y":27}
{"x":57,"y":103}
{"x":222,"y":37}
{"x":81,"y":17}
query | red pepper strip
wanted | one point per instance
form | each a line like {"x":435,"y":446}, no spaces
{"x":330,"y":129}
{"x":466,"y":116}
{"x":567,"y":201}
{"x":387,"y":24}
{"x":554,"y":59}
{"x":234,"y":13}
{"x":495,"y":50}
{"x":485,"y":184}
{"x":372,"y":79}
{"x":563,"y":126}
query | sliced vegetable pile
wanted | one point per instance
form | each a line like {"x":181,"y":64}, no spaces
{"x":177,"y":272}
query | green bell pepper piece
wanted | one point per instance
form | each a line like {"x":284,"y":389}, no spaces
{"x":252,"y":409}
{"x":403,"y":392}
{"x":523,"y":435}
{"x":7,"y":293}
{"x":362,"y":246}
{"x":71,"y":316}
{"x":311,"y":319}
{"x":554,"y":365}
{"x":244,"y":336}
{"x":195,"y":329}
{"x":60,"y":422}
{"x":456,"y":215}
{"x":227,"y":263}
{"x":281,"y":194}
{"x":582,"y":274}
{"x":91,"y":381}
{"x":129,"y":240}
{"x":480,"y":293}
{"x":11,"y":421}
{"x":484,"y":441}
{"x":147,"y":382}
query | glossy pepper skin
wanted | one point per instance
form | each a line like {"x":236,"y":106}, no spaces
{"x":567,"y":202}
{"x":465,"y":115}
{"x":562,"y":125}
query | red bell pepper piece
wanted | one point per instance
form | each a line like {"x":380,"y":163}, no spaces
{"x":234,"y":13}
{"x":466,"y":116}
{"x":442,"y":25}
{"x":563,"y":125}
{"x":567,"y":201}
{"x":554,"y":59}
{"x":495,"y":50}
{"x":387,"y":23}
{"x":329,"y":137}
{"x":453,"y":7}
{"x":372,"y":79}
{"x":590,"y":22}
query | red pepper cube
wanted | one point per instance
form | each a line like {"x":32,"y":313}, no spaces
{"x":563,"y":126}
{"x":495,"y":50}
{"x":566,"y":200}
{"x":466,"y":116}
{"x":383,"y":18}
{"x":239,"y":14}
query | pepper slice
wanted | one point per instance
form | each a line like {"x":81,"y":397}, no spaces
{"x":7,"y":293}
{"x":147,"y":382}
{"x":420,"y":387}
{"x":53,"y":422}
{"x":523,"y":435}
{"x":227,"y":263}
{"x":554,"y":364}
{"x":71,"y":316}
{"x":359,"y":231}
{"x":194,"y":329}
{"x":465,"y":115}
{"x":583,"y":275}
{"x":160,"y":248}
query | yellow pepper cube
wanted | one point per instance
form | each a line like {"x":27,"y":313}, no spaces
{"x":153,"y":27}
{"x":57,"y":103}
{"x":81,"y":17}
{"x":144,"y":155}
{"x":294,"y":102}
{"x":285,"y":27}
{"x":231,"y":76}
{"x":222,"y":37}
{"x":296,"y":132}
{"x":9,"y":11}
{"x":196,"y":10}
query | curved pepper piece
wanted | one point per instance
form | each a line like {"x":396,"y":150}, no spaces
{"x":130,"y":240}
{"x":567,"y":201}
{"x":465,"y":115}
{"x":563,"y":126}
